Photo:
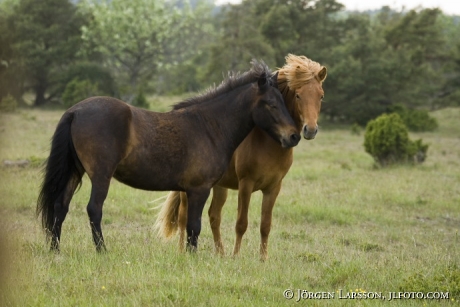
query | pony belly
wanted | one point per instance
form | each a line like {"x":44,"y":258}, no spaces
{"x":146,"y":176}
{"x":149,"y":183}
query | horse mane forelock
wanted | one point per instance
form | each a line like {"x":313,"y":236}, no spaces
{"x":231,"y":82}
{"x":298,"y":71}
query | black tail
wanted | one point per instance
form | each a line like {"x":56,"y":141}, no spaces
{"x":62,"y":166}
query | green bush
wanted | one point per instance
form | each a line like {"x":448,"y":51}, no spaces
{"x":415,"y":120}
{"x":8,"y":104}
{"x":78,"y":90}
{"x":91,"y":71}
{"x":386,"y":139}
{"x":140,"y":100}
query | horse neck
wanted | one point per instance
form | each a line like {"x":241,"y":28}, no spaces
{"x":228,"y":118}
{"x":289,"y":96}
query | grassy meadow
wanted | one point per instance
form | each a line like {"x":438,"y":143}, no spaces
{"x":339,"y":225}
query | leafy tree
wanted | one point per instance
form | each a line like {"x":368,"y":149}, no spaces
{"x":138,"y":38}
{"x":45,"y":39}
{"x":239,"y":42}
{"x":450,"y":94}
{"x":417,"y":32}
{"x":419,"y":37}
{"x":9,"y":72}
{"x":301,"y":27}
{"x":365,"y":74}
{"x":385,"y":60}
{"x":186,"y":55}
{"x":129,"y":35}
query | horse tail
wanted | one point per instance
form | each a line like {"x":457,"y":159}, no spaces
{"x":167,"y":219}
{"x":61,"y":168}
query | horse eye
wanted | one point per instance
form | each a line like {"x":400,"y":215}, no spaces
{"x":322,"y":97}
{"x":271,"y":105}
{"x":297,"y":96}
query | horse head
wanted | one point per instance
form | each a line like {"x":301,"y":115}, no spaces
{"x":271,"y":113}
{"x":303,"y":79}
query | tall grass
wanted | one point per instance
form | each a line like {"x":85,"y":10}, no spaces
{"x":339,"y":224}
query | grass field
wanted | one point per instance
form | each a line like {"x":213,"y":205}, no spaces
{"x":340,"y":227}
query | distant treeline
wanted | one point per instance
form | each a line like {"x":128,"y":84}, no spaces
{"x":60,"y":50}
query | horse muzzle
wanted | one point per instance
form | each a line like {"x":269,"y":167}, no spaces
{"x":309,"y":134}
{"x":290,"y":141}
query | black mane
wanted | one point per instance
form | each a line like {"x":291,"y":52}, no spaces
{"x":233,"y":81}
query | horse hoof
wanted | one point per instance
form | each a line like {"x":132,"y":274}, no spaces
{"x":191,"y":249}
{"x":100,"y":249}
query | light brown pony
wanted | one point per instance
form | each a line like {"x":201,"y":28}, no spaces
{"x":259,"y":163}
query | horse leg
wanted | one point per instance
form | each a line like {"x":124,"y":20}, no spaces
{"x":182,"y":220}
{"x":99,"y":190}
{"x":61,"y":207}
{"x":244,"y":197}
{"x":219,"y":196}
{"x":268,"y":202}
{"x":196,"y":201}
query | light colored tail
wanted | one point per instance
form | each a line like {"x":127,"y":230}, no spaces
{"x":167,"y":220}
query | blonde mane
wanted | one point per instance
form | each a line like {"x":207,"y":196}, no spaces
{"x":298,"y":71}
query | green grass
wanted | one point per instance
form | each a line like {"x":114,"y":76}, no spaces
{"x":339,"y":223}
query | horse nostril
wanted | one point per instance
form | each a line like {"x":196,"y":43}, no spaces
{"x":305,"y":129}
{"x":309,"y":135}
{"x":295,"y":138}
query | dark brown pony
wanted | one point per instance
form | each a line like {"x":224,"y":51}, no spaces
{"x":187,"y":149}
{"x":259,"y":163}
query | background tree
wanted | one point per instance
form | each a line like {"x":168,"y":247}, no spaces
{"x":239,"y":41}
{"x":304,"y":27}
{"x":386,"y":60}
{"x":137,"y":38}
{"x":450,"y":90}
{"x":364,"y":75}
{"x":45,"y":39}
{"x":187,"y":53}
{"x":129,"y":37}
{"x":378,"y":61}
{"x":10,"y":76}
{"x":420,"y":36}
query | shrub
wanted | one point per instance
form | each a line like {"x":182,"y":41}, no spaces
{"x":91,"y":71}
{"x":8,"y":104}
{"x":140,"y":100}
{"x":415,"y":120}
{"x":386,"y":139}
{"x":78,"y":90}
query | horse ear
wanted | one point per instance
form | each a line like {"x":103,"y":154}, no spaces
{"x":322,"y":74}
{"x":262,"y":82}
{"x":274,"y":80}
